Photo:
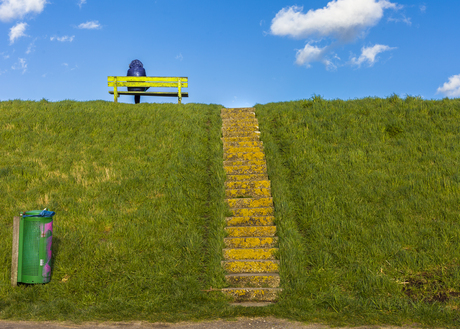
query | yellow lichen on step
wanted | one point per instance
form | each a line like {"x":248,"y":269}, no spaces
{"x":254,"y":193}
{"x":227,"y":134}
{"x":244,"y":170}
{"x":252,"y":294}
{"x":235,"y":115}
{"x":241,"y":156}
{"x":243,"y":122}
{"x":245,"y":212}
{"x":240,"y":128}
{"x":246,"y":253}
{"x":251,"y":242}
{"x":266,"y":280}
{"x":251,"y":266}
{"x":245,"y":163}
{"x":250,"y":202}
{"x":240,"y":139}
{"x":246,"y":178}
{"x":234,"y":149}
{"x":243,"y":144}
{"x":250,"y":231}
{"x":250,"y":221}
{"x":247,"y":184}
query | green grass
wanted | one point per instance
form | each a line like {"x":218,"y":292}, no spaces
{"x":367,"y":196}
{"x":139,"y":201}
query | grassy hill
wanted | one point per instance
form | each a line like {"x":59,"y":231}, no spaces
{"x":366,"y":197}
{"x":139,"y":201}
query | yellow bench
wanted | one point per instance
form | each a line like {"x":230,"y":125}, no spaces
{"x":151,"y":82}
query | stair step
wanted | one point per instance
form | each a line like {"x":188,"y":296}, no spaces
{"x":244,"y":156}
{"x":252,"y":294}
{"x":249,"y":253}
{"x":250,"y":149}
{"x":232,"y":115}
{"x":241,"y":133}
{"x":245,"y":212}
{"x":250,"y":266}
{"x":242,"y":122}
{"x":253,"y":193}
{"x":240,"y":128}
{"x":238,"y":116}
{"x":245,"y":163}
{"x":250,"y":231}
{"x":250,"y":221}
{"x":247,"y":178}
{"x":253,"y":280}
{"x":244,"y":170}
{"x":239,"y":139}
{"x":237,"y":110}
{"x":243,"y":144}
{"x":242,"y":185}
{"x":251,"y":242}
{"x":250,"y":202}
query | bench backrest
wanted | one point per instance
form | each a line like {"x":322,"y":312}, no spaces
{"x":121,"y":81}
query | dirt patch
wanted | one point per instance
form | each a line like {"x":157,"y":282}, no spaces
{"x":240,"y":323}
{"x":432,"y":286}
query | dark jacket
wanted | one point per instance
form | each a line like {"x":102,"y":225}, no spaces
{"x":136,"y":69}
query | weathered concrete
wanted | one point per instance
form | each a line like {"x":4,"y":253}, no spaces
{"x":249,"y":253}
{"x":251,"y":221}
{"x":251,"y":242}
{"x":251,"y":266}
{"x":254,"y":280}
{"x":251,"y":231}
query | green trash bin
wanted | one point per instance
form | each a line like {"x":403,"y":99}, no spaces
{"x":34,"y":252}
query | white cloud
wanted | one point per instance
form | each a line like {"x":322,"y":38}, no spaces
{"x":81,"y":3}
{"x":90,"y":25}
{"x":341,"y":19}
{"x":180,"y":57}
{"x":31,"y":47}
{"x":12,"y":9}
{"x":403,"y":19}
{"x":340,"y":22}
{"x":422,"y":8}
{"x":310,"y":54}
{"x":65,"y":38}
{"x":17,"y":31}
{"x":20,"y":65}
{"x":368,"y":54}
{"x":452,"y":87}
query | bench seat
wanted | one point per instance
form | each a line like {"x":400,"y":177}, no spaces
{"x":151,"y":93}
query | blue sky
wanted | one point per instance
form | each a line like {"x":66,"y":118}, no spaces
{"x":235,"y":53}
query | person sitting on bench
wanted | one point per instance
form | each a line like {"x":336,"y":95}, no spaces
{"x":136,"y":69}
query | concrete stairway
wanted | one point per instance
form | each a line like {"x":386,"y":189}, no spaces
{"x":251,"y":242}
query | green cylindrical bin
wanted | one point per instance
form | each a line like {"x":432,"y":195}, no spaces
{"x":35,"y":238}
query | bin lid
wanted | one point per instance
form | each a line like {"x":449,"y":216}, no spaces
{"x":39,"y":213}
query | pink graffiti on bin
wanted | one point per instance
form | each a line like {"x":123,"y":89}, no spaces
{"x":48,"y":233}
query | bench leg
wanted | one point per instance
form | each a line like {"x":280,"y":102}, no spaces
{"x":137,"y":99}
{"x":179,"y":91}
